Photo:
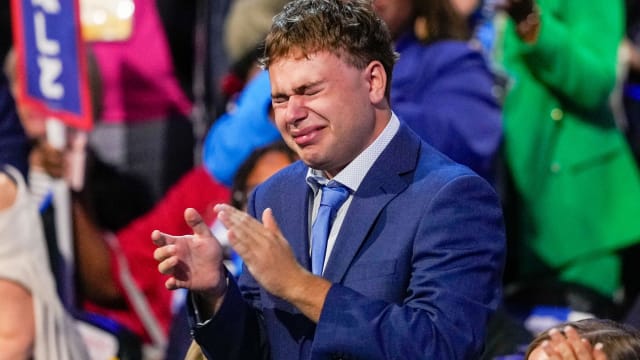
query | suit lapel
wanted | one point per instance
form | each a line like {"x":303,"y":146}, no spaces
{"x":296,"y":208}
{"x":382,"y":183}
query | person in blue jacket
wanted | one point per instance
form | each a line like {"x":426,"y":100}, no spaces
{"x":442,"y":86}
{"x":413,"y":261}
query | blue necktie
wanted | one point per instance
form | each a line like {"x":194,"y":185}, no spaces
{"x":333,"y":195}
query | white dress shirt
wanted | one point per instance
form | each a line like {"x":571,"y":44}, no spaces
{"x":351,"y":177}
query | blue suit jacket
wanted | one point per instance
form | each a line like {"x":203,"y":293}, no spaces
{"x":444,"y":91}
{"x":416,"y":268}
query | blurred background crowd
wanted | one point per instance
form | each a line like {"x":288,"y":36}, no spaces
{"x":541,"y":98}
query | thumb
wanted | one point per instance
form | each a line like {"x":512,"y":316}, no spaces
{"x":195,"y":221}
{"x":269,"y":221}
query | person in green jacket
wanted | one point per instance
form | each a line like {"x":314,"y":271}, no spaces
{"x":577,"y":185}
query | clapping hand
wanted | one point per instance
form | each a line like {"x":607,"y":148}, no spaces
{"x":193,"y":261}
{"x":569,"y":346}
{"x":264,"y":250}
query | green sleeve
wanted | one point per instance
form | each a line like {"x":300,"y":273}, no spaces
{"x":576,"y":52}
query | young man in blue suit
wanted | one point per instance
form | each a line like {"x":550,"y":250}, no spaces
{"x":414,"y":258}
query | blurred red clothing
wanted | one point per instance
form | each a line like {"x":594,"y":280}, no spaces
{"x":198,"y":190}
{"x":138,"y":76}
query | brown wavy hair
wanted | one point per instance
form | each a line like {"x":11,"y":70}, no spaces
{"x":621,"y":342}
{"x":349,"y":29}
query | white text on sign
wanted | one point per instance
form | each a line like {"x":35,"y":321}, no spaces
{"x":49,"y":62}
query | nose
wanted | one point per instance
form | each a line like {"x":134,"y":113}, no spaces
{"x":296,"y":110}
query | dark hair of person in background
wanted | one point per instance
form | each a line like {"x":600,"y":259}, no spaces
{"x":5,"y":29}
{"x":438,"y":20}
{"x":621,"y":342}
{"x":632,"y":8}
{"x":240,"y":73}
{"x":179,"y":21}
{"x":242,"y":68}
{"x":240,"y":190}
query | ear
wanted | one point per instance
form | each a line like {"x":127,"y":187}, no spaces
{"x":377,"y":79}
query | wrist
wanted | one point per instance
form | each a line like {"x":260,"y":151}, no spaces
{"x":213,"y":298}
{"x":298,"y":286}
{"x":308,"y":294}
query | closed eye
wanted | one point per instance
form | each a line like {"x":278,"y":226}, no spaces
{"x":311,"y":92}
{"x":306,"y":90}
{"x":279,"y":99}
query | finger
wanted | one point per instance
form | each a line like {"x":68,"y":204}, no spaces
{"x":241,"y":234}
{"x":167,"y":266}
{"x":239,"y":221}
{"x":219,"y":207}
{"x":237,"y":245}
{"x":269,"y":221}
{"x":157,"y":238}
{"x":246,"y":235}
{"x":598,"y":352}
{"x":587,"y":345}
{"x":53,"y":156}
{"x":171,"y":283}
{"x":251,"y":232}
{"x":194,"y":220}
{"x":581,"y":348}
{"x":164,"y":252}
{"x":560,"y":344}
{"x":161,"y":239}
{"x":229,"y":210}
{"x":548,"y":349}
{"x":225,"y":213}
{"x":53,"y":161}
{"x":51,"y":150}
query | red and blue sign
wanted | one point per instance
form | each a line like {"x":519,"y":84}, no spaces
{"x":51,"y":60}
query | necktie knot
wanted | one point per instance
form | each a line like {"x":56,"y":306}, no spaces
{"x":334,"y":195}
